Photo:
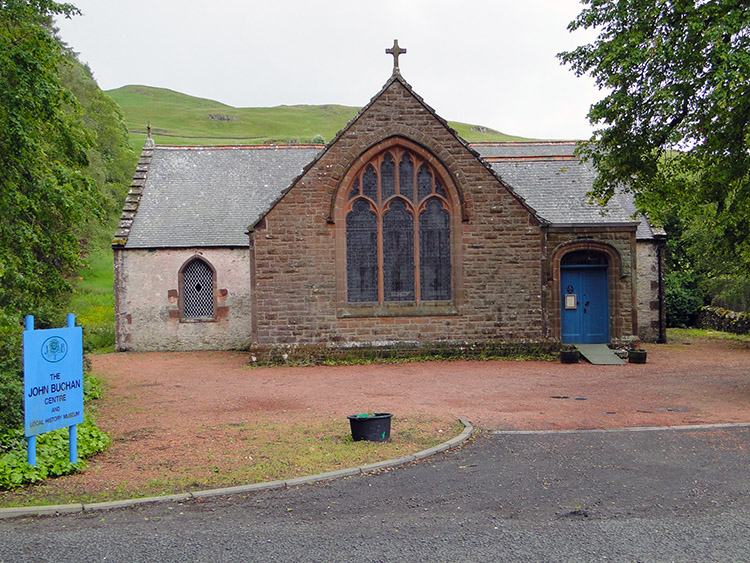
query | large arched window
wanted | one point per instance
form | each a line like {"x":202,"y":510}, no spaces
{"x":398,"y":231}
{"x":197,"y":290}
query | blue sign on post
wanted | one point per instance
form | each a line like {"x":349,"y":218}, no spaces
{"x":53,"y":382}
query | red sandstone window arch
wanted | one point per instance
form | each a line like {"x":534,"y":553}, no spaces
{"x":398,"y":218}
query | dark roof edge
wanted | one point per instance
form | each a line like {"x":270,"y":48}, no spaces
{"x":534,"y":158}
{"x":187,"y":246}
{"x":524,"y":143}
{"x":133,"y":199}
{"x":236,"y":147}
{"x":594,"y":225}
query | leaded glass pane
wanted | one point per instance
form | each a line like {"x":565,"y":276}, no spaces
{"x":398,"y":253}
{"x":424,"y":182}
{"x":198,"y":290}
{"x":434,"y":252}
{"x":362,"y":253}
{"x":439,"y":188}
{"x":370,"y":183}
{"x":406,"y":177}
{"x":355,"y":190}
{"x":387,"y":177}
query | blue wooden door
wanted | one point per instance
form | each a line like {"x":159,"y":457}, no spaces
{"x":584,"y":304}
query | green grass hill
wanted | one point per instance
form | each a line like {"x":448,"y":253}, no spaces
{"x":179,"y":119}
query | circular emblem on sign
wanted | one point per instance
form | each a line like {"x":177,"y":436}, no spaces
{"x":570,"y":289}
{"x":54,"y":349}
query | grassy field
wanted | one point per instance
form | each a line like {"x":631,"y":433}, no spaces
{"x":179,"y":119}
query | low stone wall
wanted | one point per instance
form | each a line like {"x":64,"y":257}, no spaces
{"x":724,"y":320}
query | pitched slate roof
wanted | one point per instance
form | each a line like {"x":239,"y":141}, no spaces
{"x":207,"y":196}
{"x":526,"y":150}
{"x":552,"y":180}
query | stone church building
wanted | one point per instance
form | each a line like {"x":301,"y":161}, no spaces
{"x":397,"y":231}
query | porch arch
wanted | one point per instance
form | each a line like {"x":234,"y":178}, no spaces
{"x":614,"y":274}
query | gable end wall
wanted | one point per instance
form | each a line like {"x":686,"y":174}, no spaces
{"x":498,"y":252}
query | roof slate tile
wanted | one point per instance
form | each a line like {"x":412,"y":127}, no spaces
{"x":209,"y":196}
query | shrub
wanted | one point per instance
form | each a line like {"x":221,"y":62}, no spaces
{"x":52,"y":454}
{"x":684,"y":298}
{"x":730,"y":293}
{"x":11,"y":373}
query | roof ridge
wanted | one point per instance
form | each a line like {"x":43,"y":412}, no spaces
{"x":522,"y":143}
{"x":532,"y":158}
{"x":238,"y":147}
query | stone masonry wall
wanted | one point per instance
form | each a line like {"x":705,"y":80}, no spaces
{"x":649,"y":312}
{"x":618,"y":244}
{"x":299,"y":278}
{"x":147,"y":315}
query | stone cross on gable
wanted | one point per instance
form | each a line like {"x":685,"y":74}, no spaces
{"x":395,"y":51}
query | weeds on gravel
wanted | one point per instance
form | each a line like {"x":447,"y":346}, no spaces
{"x":687,"y":334}
{"x":254,"y":453}
{"x":322,"y":354}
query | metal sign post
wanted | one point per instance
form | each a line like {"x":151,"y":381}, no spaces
{"x":53,"y":382}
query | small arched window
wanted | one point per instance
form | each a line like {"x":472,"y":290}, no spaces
{"x":398,"y":232}
{"x":197,"y":290}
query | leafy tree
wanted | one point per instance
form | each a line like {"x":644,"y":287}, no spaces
{"x":674,"y":126}
{"x":44,"y":192}
{"x":111,"y":158}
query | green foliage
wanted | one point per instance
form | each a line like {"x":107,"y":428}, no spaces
{"x":111,"y":159}
{"x":43,"y":191}
{"x":58,"y":130}
{"x":52,"y":447}
{"x":11,"y":382}
{"x":93,"y":300}
{"x":684,"y":298}
{"x":111,"y":164}
{"x":731,"y":293}
{"x":52,"y":454}
{"x":678,"y":78}
{"x":697,"y":334}
{"x":321,"y":354}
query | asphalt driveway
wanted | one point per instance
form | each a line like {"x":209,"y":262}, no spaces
{"x":659,"y":495}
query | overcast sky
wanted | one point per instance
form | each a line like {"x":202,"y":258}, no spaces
{"x":486,"y":62}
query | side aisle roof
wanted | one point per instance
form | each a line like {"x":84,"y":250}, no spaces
{"x":208,"y":196}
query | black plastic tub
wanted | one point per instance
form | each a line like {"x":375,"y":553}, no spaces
{"x":373,"y":427}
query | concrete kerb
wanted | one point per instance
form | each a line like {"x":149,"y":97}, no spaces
{"x":241,"y":489}
{"x":626,"y":429}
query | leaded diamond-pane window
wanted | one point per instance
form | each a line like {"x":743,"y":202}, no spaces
{"x":398,"y":240}
{"x":197,"y":291}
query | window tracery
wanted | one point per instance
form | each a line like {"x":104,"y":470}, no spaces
{"x":398,"y":232}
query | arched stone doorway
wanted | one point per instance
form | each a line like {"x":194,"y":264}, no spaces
{"x":584,"y":291}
